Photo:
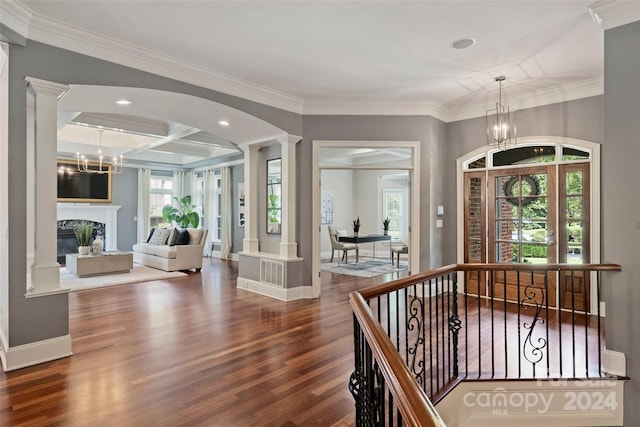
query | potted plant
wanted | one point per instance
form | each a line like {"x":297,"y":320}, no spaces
{"x":356,"y":226}
{"x":83,"y":231}
{"x":273,"y":213}
{"x":385,"y":225}
{"x":183,"y":215}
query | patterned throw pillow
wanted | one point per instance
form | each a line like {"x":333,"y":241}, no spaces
{"x":172,"y":237}
{"x":160,"y":236}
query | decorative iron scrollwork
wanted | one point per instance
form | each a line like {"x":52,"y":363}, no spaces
{"x":415,"y":324}
{"x":531,"y":350}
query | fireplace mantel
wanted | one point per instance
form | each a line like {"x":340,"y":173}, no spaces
{"x":106,"y":214}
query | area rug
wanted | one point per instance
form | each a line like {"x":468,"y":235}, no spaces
{"x":139,"y":273}
{"x":364,"y":268}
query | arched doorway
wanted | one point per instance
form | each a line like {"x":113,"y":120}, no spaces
{"x":532,"y":203}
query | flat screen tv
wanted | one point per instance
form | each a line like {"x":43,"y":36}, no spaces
{"x":83,"y":187}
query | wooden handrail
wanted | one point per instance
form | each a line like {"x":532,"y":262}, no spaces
{"x":412,"y":402}
{"x":394,"y":285}
{"x":410,"y":399}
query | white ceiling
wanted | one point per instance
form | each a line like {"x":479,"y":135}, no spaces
{"x":349,"y":57}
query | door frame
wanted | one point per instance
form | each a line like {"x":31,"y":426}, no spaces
{"x":414,"y":198}
{"x":594,"y":181}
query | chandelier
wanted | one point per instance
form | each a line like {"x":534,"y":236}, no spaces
{"x":501,"y":123}
{"x":100,"y":166}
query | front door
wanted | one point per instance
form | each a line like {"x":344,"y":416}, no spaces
{"x":529,"y":215}
{"x":522,"y":230}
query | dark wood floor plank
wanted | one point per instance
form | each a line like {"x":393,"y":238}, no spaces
{"x":194,"y":351}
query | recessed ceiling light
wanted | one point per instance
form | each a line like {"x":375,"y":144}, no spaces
{"x":123,"y":102}
{"x":463,"y":43}
{"x":223,"y":123}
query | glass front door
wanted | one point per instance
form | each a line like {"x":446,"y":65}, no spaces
{"x":529,"y":215}
{"x":522,"y":228}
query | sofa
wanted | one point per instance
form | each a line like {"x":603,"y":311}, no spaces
{"x":172,"y":249}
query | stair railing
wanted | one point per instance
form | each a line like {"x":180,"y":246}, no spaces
{"x":415,"y":337}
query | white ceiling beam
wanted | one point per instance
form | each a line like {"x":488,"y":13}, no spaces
{"x":176,"y":131}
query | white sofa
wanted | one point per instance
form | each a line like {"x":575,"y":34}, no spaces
{"x":171,"y":257}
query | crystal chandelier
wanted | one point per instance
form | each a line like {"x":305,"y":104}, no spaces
{"x":101,"y":166}
{"x":501,"y":123}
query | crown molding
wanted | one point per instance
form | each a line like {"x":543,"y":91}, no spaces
{"x":372,"y":107}
{"x":567,"y":92}
{"x":72,"y":38}
{"x":16,"y":16}
{"x":615,"y":13}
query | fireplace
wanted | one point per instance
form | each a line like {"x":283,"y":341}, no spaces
{"x":67,"y":243}
{"x":105,"y":223}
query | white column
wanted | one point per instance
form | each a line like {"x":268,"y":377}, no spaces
{"x":250,"y":241}
{"x":45,"y":270}
{"x":288,"y":241}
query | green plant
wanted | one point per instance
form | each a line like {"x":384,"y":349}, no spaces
{"x":356,"y":225}
{"x":83,"y":231}
{"x":385,"y":224}
{"x":183,"y":215}
{"x":273,"y":210}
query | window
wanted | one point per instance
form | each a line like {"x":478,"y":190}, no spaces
{"x":198,"y":199}
{"x":160,"y":195}
{"x":217,"y":206}
{"x":396,"y":210}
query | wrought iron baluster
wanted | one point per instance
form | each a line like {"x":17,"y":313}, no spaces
{"x":535,"y":354}
{"x":455,"y":325}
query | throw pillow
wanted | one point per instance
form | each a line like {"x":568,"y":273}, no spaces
{"x":183,"y":237}
{"x":172,"y":237}
{"x":160,"y":236}
{"x":150,"y":234}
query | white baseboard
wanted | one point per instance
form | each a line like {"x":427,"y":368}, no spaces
{"x":282,"y":294}
{"x":31,"y":354}
{"x":614,"y":363}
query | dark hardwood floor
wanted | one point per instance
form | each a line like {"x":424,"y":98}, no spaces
{"x":195,"y":351}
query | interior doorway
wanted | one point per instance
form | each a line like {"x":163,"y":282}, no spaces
{"x":366,"y":156}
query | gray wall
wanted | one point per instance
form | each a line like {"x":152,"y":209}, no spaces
{"x":237,"y":232}
{"x":621,"y":202}
{"x":580,"y":119}
{"x":125,"y":193}
{"x":340,"y":182}
{"x":427,"y":130}
{"x":36,"y":319}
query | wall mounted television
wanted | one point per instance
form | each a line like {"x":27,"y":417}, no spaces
{"x":83,"y":187}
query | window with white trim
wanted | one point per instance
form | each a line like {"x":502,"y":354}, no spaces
{"x":160,"y":194}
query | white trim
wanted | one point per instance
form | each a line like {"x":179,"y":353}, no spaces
{"x":106,"y":214}
{"x":592,"y":147}
{"x":73,"y":38}
{"x":614,"y":362}
{"x":51,"y":32}
{"x":414,"y":215}
{"x":615,"y":13}
{"x":282,"y":294}
{"x":37,"y":352}
{"x":16,"y":16}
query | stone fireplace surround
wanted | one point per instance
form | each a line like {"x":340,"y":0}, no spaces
{"x":105,"y":215}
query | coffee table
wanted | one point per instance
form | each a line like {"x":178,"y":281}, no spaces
{"x":110,"y":262}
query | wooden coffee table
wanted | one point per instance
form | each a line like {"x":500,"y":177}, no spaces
{"x":98,"y":265}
